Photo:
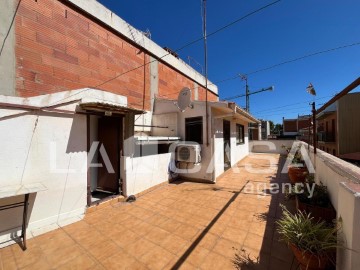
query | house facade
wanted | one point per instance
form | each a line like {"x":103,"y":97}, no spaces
{"x":87,"y":109}
{"x":292,"y":127}
{"x":338,"y":129}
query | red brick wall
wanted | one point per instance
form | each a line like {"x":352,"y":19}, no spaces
{"x":290,"y":126}
{"x":304,"y":123}
{"x":58,"y":49}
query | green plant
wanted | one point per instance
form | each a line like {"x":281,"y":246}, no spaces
{"x":320,"y":196}
{"x":243,"y":259}
{"x":308,"y":235}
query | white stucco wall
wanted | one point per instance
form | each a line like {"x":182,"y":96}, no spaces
{"x":47,"y":148}
{"x":270,"y":146}
{"x":142,"y":173}
{"x":212,"y":156}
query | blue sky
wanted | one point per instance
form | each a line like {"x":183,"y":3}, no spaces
{"x":287,"y":30}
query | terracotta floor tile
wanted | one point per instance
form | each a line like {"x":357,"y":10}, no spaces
{"x":174,"y":243}
{"x":157,"y":219}
{"x":137,"y":266}
{"x":28,"y":257}
{"x":81,"y":262}
{"x":253,"y":259}
{"x":41,"y":264}
{"x":226,"y":248}
{"x":209,"y":240}
{"x":139,"y":247}
{"x":142,"y":228}
{"x":216,"y":261}
{"x":121,"y":260}
{"x":7,"y":259}
{"x":63,"y":255}
{"x":257,"y":242}
{"x":103,"y":249}
{"x":194,"y":255}
{"x":160,"y":228}
{"x":157,"y":258}
{"x":235,"y":235}
{"x":187,"y":232}
{"x":157,"y":235}
{"x":125,"y":238}
{"x":170,"y":225}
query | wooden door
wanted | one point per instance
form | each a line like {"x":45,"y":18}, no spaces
{"x":109,"y":135}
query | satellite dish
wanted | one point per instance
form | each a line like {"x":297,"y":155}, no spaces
{"x":184,"y":99}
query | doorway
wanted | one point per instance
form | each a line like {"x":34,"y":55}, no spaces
{"x":107,"y":133}
{"x":227,"y":149}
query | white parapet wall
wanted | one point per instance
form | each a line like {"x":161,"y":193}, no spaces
{"x":142,"y":173}
{"x":343,"y":182}
{"x":270,"y":146}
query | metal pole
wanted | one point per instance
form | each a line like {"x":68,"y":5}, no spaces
{"x":314,"y":126}
{"x":309,"y":135}
{"x":247,"y":96}
{"x":206,"y":74}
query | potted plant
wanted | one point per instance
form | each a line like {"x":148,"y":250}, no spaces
{"x":312,"y":242}
{"x":297,"y":170}
{"x":318,"y":203}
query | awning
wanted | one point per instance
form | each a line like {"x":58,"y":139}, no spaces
{"x":108,"y":107}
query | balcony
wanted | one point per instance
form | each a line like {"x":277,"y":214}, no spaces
{"x":326,"y":137}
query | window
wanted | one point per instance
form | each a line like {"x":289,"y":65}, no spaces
{"x":194,"y":129}
{"x":239,"y":134}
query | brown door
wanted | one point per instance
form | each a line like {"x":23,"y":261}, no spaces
{"x":109,"y":135}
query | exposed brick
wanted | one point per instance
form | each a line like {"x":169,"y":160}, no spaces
{"x":35,"y":46}
{"x":27,"y":54}
{"x":50,"y":23}
{"x":25,"y":32}
{"x":88,"y":50}
{"x":40,"y":68}
{"x":97,"y":30}
{"x":46,"y":40}
{"x":80,"y":54}
{"x":54,"y":62}
{"x":26,"y":12}
{"x":83,"y":54}
{"x":63,"y":74}
{"x":66,"y":57}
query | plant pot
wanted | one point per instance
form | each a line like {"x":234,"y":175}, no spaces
{"x":309,"y":261}
{"x":297,"y":174}
{"x":324,"y":213}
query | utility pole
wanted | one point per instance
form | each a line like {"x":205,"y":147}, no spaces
{"x":314,"y":126}
{"x":206,"y":73}
{"x":247,"y":93}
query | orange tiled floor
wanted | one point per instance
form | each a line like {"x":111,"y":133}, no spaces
{"x":178,"y":226}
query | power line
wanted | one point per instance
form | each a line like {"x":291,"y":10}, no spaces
{"x":303,"y":57}
{"x":290,"y":61}
{"x":288,"y":105}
